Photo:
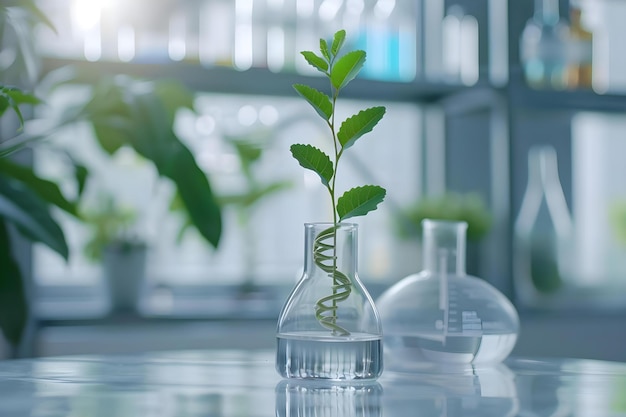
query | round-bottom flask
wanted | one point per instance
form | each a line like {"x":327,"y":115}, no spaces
{"x":443,"y":315}
{"x":329,"y":327}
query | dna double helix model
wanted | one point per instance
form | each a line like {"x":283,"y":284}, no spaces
{"x":325,"y":258}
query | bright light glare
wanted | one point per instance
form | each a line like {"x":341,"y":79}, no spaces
{"x":305,"y":8}
{"x":177,"y":47}
{"x":328,"y":9}
{"x":384,"y":8}
{"x":86,"y":13}
{"x":275,"y":48}
{"x":205,"y":125}
{"x":355,"y":6}
{"x":268,"y":115}
{"x":126,"y":43}
{"x":247,"y":115}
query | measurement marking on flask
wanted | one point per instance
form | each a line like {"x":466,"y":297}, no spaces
{"x":443,"y":292}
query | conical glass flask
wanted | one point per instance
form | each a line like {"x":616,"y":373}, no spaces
{"x":443,"y":315}
{"x":329,"y":327}
{"x":544,"y":240}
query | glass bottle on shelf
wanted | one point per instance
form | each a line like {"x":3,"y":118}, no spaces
{"x":543,"y":47}
{"x":543,"y":231}
{"x":441,"y":315}
{"x":580,"y":51}
{"x":329,"y":327}
{"x":451,"y":39}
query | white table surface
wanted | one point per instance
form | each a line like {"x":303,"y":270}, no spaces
{"x":244,"y":383}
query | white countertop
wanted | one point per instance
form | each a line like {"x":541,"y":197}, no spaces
{"x":244,"y":383}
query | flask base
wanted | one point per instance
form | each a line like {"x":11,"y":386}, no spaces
{"x":318,"y":355}
{"x":453,"y":349}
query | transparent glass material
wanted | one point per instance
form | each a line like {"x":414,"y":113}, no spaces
{"x":329,"y":327}
{"x":544,"y":232}
{"x":295,"y":398}
{"x":441,"y":314}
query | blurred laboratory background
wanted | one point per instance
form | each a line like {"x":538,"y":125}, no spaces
{"x":506,"y":114}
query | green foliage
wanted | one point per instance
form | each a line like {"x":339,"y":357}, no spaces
{"x":25,"y":199}
{"x":30,"y":215}
{"x":356,"y":126}
{"x":317,"y":161}
{"x":450,"y":206}
{"x":249,"y":150}
{"x":320,"y":101}
{"x":346,"y":68}
{"x":359,"y":201}
{"x":13,"y":97}
{"x":13,"y":304}
{"x":340,"y":70}
{"x":617,"y":218}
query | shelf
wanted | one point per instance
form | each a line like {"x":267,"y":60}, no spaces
{"x":255,"y":81}
{"x":522,"y":96}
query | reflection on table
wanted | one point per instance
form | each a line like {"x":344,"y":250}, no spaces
{"x":240,"y":383}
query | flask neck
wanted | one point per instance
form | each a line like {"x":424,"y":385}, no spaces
{"x":444,"y":247}
{"x":543,"y":167}
{"x":330,"y":247}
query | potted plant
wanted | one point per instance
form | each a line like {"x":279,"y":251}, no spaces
{"x":452,"y":206}
{"x":118,"y":248}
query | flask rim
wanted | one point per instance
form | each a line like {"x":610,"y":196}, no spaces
{"x":451,"y":224}
{"x":340,"y":225}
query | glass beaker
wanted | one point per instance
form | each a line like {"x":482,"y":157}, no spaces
{"x":329,"y":327}
{"x":543,"y":232}
{"x":442,"y":314}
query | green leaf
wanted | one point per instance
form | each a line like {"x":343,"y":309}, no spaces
{"x":19,"y":96}
{"x":13,"y":304}
{"x":249,"y":199}
{"x":80,"y":173}
{"x":356,"y":126}
{"x":46,"y":190}
{"x":36,"y":13}
{"x":324,"y":49}
{"x":338,"y":40}
{"x":13,"y":145}
{"x":30,"y":215}
{"x":113,"y":132}
{"x":359,"y":201}
{"x":312,"y":158}
{"x":174,"y":95}
{"x":315,"y":61}
{"x":111,"y":117}
{"x":347,"y":68}
{"x":195,"y":192}
{"x":320,"y":101}
{"x":248,"y":152}
{"x":12,"y":97}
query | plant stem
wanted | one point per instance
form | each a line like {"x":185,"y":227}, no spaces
{"x":338,"y":151}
